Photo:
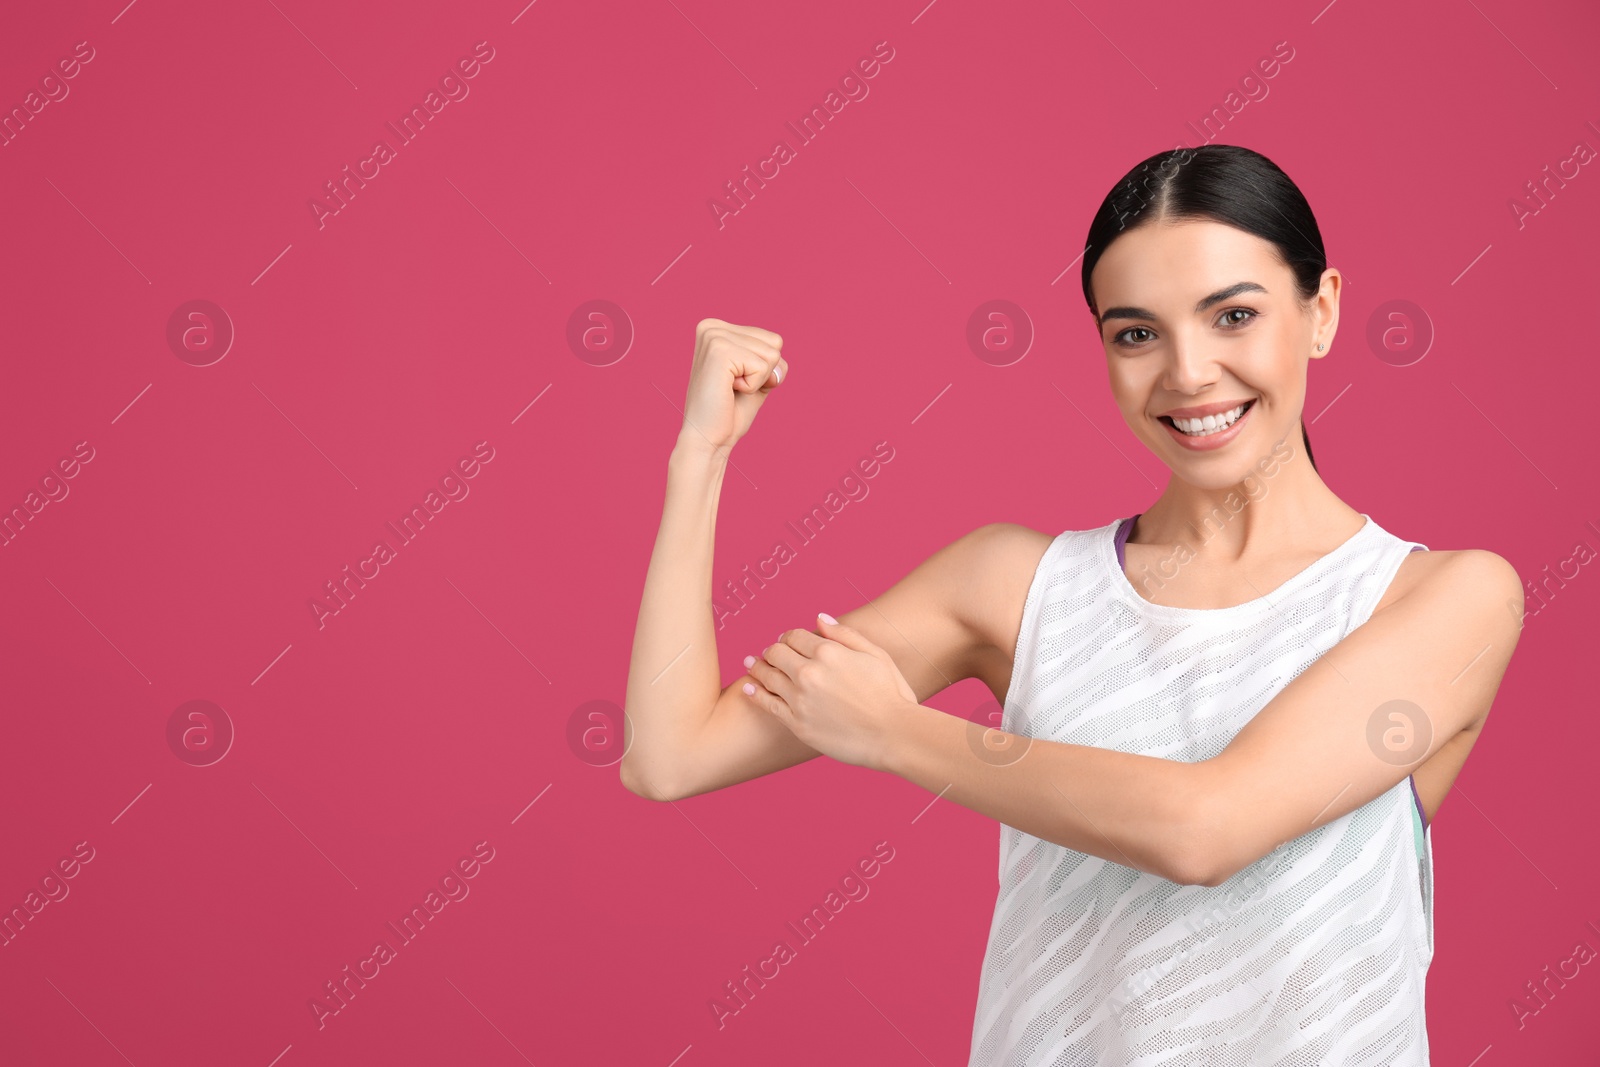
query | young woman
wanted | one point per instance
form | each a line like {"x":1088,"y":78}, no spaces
{"x":1228,"y":719}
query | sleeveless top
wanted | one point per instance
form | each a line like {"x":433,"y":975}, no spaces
{"x":1316,"y":954}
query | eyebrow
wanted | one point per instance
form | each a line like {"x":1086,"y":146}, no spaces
{"x":1215,"y":298}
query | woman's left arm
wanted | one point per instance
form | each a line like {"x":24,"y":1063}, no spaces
{"x":1353,"y":724}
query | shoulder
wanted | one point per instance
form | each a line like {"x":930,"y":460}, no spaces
{"x":998,"y":562}
{"x":1007,"y":552}
{"x":1471,"y":579}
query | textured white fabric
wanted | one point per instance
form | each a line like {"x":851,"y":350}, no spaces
{"x":1316,"y":954}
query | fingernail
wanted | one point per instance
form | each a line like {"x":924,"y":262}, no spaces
{"x":829,"y":619}
{"x":749,"y":689}
{"x":776,"y":373}
{"x":749,"y":661}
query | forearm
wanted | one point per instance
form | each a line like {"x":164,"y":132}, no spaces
{"x":1139,"y":811}
{"x":673,"y":675}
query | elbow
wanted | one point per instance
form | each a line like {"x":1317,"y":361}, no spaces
{"x":1195,"y":868}
{"x":1201,"y":852}
{"x":650,"y":788}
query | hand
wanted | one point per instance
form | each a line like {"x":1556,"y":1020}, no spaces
{"x":735,"y":367}
{"x":838,"y":692}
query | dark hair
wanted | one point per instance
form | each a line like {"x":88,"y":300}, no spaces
{"x":1224,"y":183}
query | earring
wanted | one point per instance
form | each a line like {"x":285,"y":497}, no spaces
{"x":1319,"y":348}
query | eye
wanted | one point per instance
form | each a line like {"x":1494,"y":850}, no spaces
{"x":1118,"y":339}
{"x":1234,"y":324}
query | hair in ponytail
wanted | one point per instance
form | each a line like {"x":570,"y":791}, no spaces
{"x":1224,"y":183}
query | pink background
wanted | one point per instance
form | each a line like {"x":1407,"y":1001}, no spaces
{"x":436,"y":709}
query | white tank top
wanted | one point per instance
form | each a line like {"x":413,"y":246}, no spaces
{"x":1314,"y":954}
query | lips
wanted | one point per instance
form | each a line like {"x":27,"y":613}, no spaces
{"x":1210,"y":441}
{"x":1193,"y":418}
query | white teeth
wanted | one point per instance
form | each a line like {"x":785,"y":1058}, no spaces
{"x":1210,"y":424}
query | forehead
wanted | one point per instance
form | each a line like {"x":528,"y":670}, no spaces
{"x":1180,"y":261}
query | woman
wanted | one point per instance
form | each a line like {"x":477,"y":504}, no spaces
{"x":1227,"y":719}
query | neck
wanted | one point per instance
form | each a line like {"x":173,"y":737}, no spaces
{"x":1283,"y":504}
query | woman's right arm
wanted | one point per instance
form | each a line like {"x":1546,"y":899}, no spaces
{"x":685,"y":733}
{"x":674,"y":681}
{"x":673,"y":676}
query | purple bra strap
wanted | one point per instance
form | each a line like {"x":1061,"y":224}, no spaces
{"x":1122,"y":538}
{"x":1126,"y":527}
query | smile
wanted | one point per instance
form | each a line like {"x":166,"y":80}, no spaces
{"x":1209,"y":432}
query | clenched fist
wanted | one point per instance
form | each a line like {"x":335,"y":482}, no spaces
{"x":735,"y":367}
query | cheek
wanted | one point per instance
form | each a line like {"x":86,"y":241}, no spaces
{"x":1130,"y":388}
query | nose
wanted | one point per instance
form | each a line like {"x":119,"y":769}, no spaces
{"x":1190,"y":367}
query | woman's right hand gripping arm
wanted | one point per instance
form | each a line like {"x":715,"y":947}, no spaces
{"x":673,"y":677}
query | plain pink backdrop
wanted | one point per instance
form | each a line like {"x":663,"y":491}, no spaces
{"x":438,"y":708}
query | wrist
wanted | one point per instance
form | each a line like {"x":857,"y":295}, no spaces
{"x":692,"y":447}
{"x":900,"y":739}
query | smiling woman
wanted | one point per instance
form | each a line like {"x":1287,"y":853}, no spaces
{"x":1214,"y":793}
